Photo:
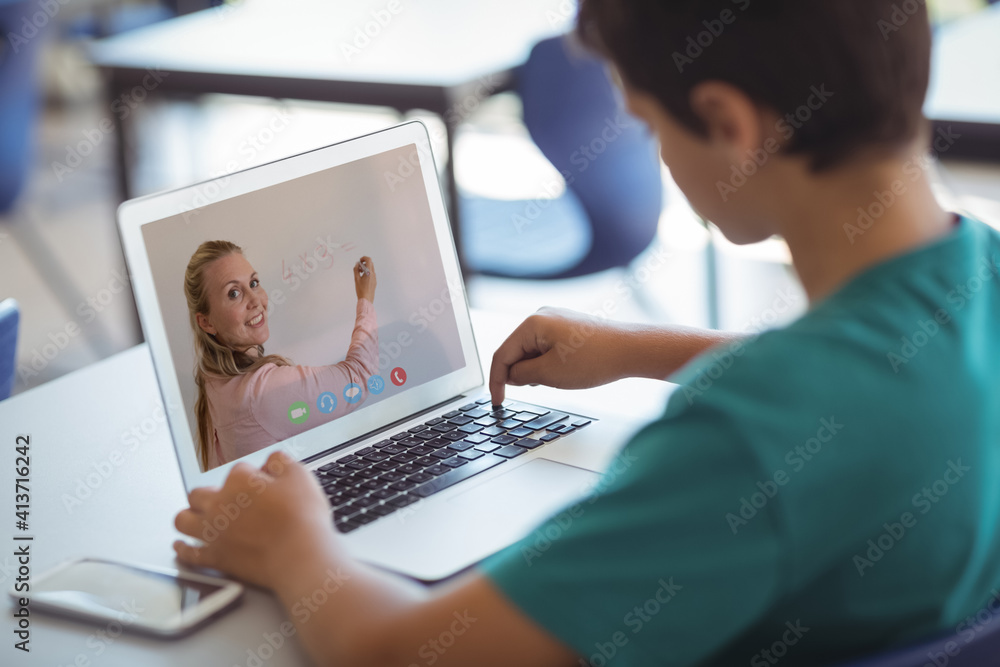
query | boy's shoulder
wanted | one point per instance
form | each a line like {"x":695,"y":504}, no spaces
{"x":803,"y":365}
{"x":914,"y":331}
{"x":874,"y":327}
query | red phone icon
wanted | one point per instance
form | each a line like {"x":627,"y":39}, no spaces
{"x":398,"y":376}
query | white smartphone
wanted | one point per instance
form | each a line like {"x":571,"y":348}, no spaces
{"x":149,"y":600}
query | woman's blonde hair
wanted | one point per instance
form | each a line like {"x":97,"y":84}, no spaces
{"x":212,"y":357}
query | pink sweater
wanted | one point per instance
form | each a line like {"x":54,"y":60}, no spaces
{"x":250,"y":412}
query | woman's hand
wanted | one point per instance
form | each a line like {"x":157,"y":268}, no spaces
{"x":364,"y":279}
{"x":260,"y":525}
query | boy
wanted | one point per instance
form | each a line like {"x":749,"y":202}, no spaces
{"x":817,"y":493}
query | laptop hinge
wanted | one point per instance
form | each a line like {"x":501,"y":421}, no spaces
{"x":387,"y":427}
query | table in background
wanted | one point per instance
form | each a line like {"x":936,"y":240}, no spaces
{"x":964,"y":95}
{"x":438,"y":56}
{"x":86,"y":501}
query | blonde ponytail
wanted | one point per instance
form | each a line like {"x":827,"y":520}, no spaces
{"x":212,"y":358}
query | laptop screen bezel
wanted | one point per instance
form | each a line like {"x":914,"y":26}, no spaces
{"x":135,"y":213}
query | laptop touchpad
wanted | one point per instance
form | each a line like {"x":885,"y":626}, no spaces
{"x":528,"y":493}
{"x":472,"y":524}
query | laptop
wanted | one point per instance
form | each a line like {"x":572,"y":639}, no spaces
{"x":424,"y":475}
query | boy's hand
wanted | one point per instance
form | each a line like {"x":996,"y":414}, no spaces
{"x":364,"y":280}
{"x":569,"y":350}
{"x":260,"y":525}
{"x":559,"y":348}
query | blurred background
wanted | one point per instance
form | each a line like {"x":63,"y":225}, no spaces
{"x":557,"y":199}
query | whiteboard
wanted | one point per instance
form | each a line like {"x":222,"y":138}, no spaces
{"x":303,"y":238}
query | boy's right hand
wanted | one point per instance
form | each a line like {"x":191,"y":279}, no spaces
{"x":569,"y":350}
{"x":560,"y":348}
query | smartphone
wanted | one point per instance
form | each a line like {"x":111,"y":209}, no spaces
{"x":149,"y":600}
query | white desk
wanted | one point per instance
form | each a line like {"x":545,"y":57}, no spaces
{"x":79,"y":421}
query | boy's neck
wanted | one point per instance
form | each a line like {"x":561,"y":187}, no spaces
{"x":837,"y":225}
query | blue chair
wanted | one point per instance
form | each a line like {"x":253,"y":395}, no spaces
{"x":19,"y":96}
{"x":969,"y":648}
{"x":611,"y":208}
{"x":9,"y":318}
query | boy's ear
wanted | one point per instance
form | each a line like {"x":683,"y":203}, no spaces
{"x":733,"y":121}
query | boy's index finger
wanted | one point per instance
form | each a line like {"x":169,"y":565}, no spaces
{"x":499,"y":370}
{"x":517,"y":347}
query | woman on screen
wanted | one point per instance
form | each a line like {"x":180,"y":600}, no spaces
{"x":248,"y":400}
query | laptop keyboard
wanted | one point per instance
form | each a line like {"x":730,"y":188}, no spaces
{"x":413,"y":464}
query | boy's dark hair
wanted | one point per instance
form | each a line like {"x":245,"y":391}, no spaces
{"x":864,"y":63}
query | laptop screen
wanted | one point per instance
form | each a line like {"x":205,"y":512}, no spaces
{"x":276,"y":327}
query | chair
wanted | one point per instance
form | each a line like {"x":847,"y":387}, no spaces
{"x":958,"y":649}
{"x":611,"y":208}
{"x":19,"y":96}
{"x":9,"y":318}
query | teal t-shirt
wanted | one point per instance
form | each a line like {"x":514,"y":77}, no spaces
{"x":823,"y":491}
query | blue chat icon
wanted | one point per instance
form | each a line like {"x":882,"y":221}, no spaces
{"x":352,"y":393}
